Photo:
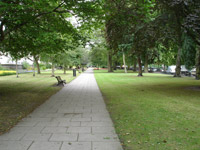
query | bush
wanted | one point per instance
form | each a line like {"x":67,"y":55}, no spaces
{"x":6,"y":73}
{"x":43,"y":67}
{"x":26,"y":65}
{"x":1,"y":67}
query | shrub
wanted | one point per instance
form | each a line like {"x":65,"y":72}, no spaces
{"x":43,"y":67}
{"x":26,"y":65}
{"x":1,"y":67}
{"x":6,"y":73}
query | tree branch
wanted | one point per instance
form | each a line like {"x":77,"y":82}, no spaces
{"x":3,"y":34}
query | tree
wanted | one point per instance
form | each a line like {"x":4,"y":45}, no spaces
{"x":18,"y":14}
{"x":98,"y":56}
{"x":183,"y":17}
{"x":124,"y":25}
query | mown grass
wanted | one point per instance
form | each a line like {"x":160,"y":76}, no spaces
{"x":20,"y":96}
{"x":154,"y":112}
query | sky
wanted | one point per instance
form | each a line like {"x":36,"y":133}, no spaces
{"x":8,"y":60}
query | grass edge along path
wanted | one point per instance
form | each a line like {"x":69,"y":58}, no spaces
{"x":154,"y":112}
{"x":20,"y":96}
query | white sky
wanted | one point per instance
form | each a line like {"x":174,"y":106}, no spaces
{"x":8,"y":60}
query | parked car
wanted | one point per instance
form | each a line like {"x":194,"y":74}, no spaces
{"x":193,"y":72}
{"x":152,"y":69}
{"x":171,"y":69}
{"x":185,"y":71}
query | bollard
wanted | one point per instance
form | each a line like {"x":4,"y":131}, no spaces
{"x":74,"y":72}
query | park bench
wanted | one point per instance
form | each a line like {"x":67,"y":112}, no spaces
{"x":60,"y":81}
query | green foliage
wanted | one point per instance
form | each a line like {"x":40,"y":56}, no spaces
{"x":1,"y":67}
{"x":98,"y":56}
{"x":26,"y":65}
{"x":98,"y":52}
{"x":45,"y":26}
{"x":7,"y":73}
{"x":43,"y":66}
{"x":188,"y":52}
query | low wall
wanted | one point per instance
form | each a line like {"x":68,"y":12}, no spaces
{"x":12,"y":66}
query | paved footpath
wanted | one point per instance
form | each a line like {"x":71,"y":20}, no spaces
{"x":73,"y":119}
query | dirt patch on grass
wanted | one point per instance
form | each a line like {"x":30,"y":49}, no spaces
{"x":194,"y":88}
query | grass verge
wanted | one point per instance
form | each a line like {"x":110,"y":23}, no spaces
{"x":154,"y":112}
{"x":20,"y":96}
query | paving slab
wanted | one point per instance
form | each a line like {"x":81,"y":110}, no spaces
{"x":76,"y":146}
{"x":75,"y":118}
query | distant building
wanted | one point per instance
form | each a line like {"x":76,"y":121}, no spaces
{"x":12,"y":66}
{"x":8,"y":63}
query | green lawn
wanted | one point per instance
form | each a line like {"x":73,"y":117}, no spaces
{"x":154,"y":112}
{"x":20,"y":96}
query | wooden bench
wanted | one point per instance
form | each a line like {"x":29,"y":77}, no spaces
{"x":60,"y":81}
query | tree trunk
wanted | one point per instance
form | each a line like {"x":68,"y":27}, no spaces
{"x":110,"y":68}
{"x":65,"y":69}
{"x":198,"y":64}
{"x":178,"y":64}
{"x":37,"y":64}
{"x":17,"y":73}
{"x":146,"y":64}
{"x":140,"y":67}
{"x":134,"y":65}
{"x":115,"y":65}
{"x":33,"y":67}
{"x":53,"y":70}
{"x":124,"y":61}
{"x":164,"y":68}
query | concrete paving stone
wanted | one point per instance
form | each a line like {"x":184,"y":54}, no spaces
{"x":47,"y":124}
{"x":97,"y":124}
{"x":17,"y":130}
{"x":82,"y":110}
{"x":35,"y":119}
{"x":64,"y":137}
{"x":36,"y":137}
{"x":106,"y":146}
{"x":45,"y":146}
{"x":98,"y":137}
{"x":54,"y":115}
{"x":47,"y":110}
{"x":96,"y":115}
{"x":79,"y":130}
{"x":65,"y":110}
{"x":11,"y":137}
{"x":69,"y":124}
{"x":106,"y":115}
{"x":108,"y":130}
{"x":54,"y":130}
{"x":60,"y":119}
{"x":76,"y":146}
{"x":36,"y":114}
{"x":15,"y":145}
{"x":81,"y":119}
{"x":27,"y":123}
{"x":99,"y":110}
{"x":101,"y":118}
{"x":77,"y":115}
